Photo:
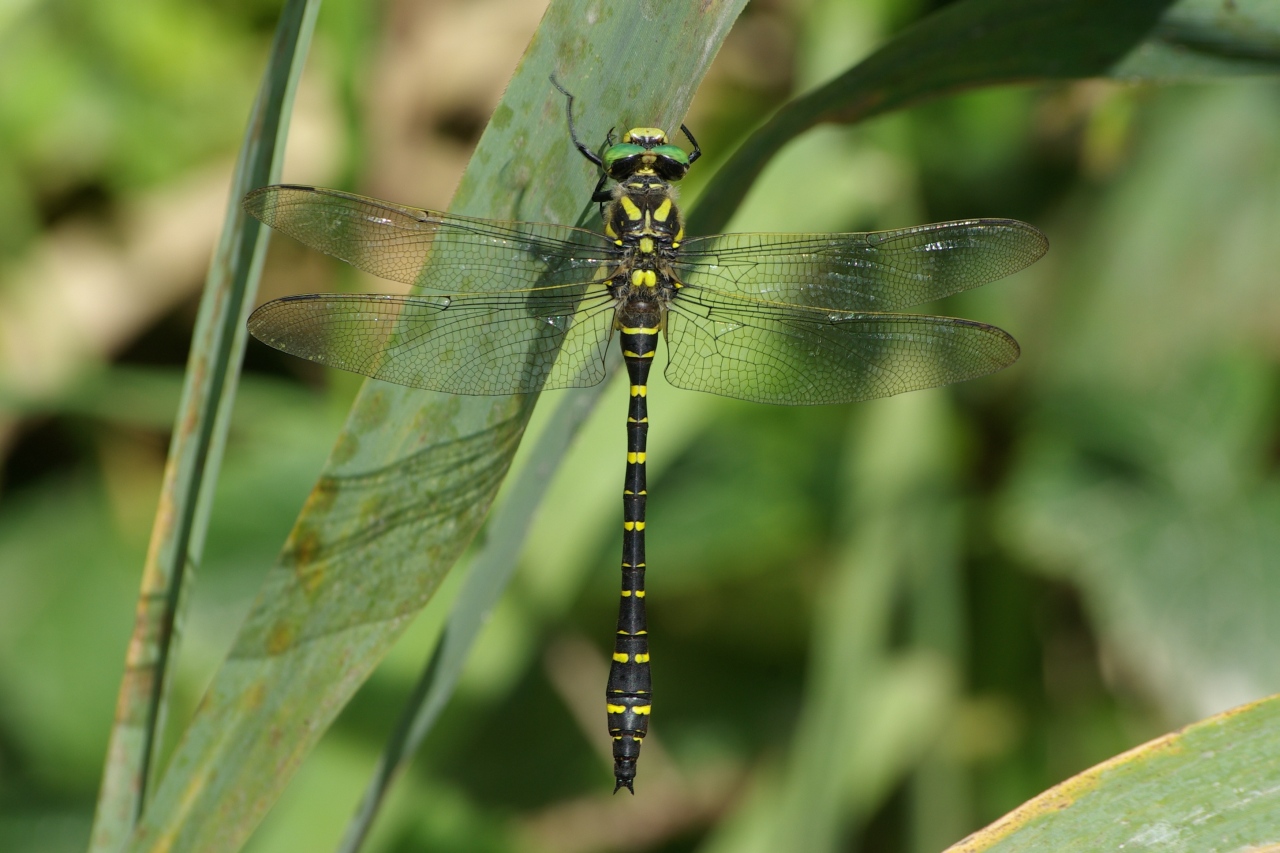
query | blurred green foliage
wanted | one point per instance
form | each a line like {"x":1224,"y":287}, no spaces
{"x":964,"y":594}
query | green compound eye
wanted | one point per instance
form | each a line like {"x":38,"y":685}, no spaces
{"x":672,"y":152}
{"x":621,"y":151}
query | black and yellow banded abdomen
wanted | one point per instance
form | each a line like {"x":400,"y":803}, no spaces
{"x":627,"y":696}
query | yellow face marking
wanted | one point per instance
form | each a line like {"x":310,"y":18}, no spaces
{"x":646,"y":245}
{"x":622,"y":657}
{"x":639,"y":390}
{"x":642,"y":657}
{"x":657,"y":134}
{"x":633,"y":212}
{"x":615,"y":709}
{"x":663,"y":211}
{"x":643,"y":710}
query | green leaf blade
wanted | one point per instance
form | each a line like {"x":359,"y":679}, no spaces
{"x":1214,"y":785}
{"x":195,"y":453}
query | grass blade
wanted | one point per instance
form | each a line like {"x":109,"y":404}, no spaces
{"x":195,"y":452}
{"x":1214,"y":785}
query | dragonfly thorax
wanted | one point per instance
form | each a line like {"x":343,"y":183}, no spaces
{"x":643,"y":219}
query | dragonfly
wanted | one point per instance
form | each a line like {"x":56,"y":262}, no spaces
{"x":510,"y":307}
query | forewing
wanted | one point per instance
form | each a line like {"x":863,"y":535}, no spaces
{"x":429,"y":249}
{"x":875,"y":271}
{"x":772,"y":353}
{"x":470,"y":344}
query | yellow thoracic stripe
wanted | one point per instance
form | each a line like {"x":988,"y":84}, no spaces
{"x":663,"y":211}
{"x":633,"y":212}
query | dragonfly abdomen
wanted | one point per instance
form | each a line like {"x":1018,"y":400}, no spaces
{"x":628,"y":693}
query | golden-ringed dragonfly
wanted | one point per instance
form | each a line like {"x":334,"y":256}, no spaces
{"x":521,"y":307}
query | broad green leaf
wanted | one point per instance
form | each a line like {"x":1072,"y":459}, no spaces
{"x":976,"y":43}
{"x":413,"y":474}
{"x":195,"y":453}
{"x":1213,"y":786}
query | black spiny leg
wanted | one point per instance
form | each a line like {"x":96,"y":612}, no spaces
{"x":627,"y":697}
{"x":599,"y":194}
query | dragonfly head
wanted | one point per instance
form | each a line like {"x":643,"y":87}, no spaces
{"x":645,"y":151}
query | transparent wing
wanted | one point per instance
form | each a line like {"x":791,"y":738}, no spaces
{"x":790,"y":355}
{"x":428,"y":249}
{"x":481,"y":344}
{"x":875,"y":271}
